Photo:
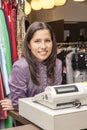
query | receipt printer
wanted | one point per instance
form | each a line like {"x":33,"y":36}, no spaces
{"x":63,"y":96}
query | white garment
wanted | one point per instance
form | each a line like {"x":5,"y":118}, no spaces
{"x":69,"y":70}
{"x":74,"y":76}
{"x":79,"y":76}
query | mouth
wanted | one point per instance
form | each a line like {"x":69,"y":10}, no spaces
{"x":42,"y":53}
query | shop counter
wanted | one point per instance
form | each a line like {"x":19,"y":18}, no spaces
{"x":15,"y":115}
{"x":24,"y":127}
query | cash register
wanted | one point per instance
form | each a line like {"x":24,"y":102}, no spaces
{"x":62,"y":107}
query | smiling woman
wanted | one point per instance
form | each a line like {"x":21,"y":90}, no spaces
{"x":38,"y":67}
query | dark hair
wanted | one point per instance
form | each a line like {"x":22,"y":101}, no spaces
{"x":50,"y":61}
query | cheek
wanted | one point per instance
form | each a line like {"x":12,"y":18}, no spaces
{"x":31,"y":46}
{"x":33,"y":49}
{"x":50,"y":47}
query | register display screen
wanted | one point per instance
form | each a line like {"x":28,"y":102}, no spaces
{"x":66,"y":89}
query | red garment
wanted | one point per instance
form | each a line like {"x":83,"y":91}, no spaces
{"x":3,"y":114}
{"x":10,"y":11}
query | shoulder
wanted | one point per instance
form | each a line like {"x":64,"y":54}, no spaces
{"x":21,"y":63}
{"x":20,"y":68}
{"x":58,"y":62}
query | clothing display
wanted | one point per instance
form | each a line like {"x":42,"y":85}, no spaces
{"x":8,"y":46}
{"x":76,"y":67}
{"x":74,"y":62}
{"x":3,"y":69}
{"x":7,"y":65}
{"x":6,"y":43}
{"x":10,"y":9}
{"x":79,"y":61}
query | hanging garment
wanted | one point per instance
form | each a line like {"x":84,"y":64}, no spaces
{"x":7,"y":52}
{"x":79,"y":76}
{"x":6,"y":42}
{"x":76,"y":68}
{"x":3,"y":114}
{"x":3,"y":69}
{"x":62,"y":56}
{"x":10,"y":10}
{"x":20,"y":29}
{"x":79,"y":61}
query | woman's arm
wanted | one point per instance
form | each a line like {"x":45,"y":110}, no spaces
{"x":18,"y":82}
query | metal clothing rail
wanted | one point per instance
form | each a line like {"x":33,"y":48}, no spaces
{"x":72,"y":43}
{"x":76,"y":46}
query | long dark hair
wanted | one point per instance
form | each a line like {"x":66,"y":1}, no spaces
{"x":50,"y":61}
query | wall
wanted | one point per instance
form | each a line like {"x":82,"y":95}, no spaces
{"x":72,"y":11}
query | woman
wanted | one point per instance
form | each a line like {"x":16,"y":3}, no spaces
{"x":38,"y":68}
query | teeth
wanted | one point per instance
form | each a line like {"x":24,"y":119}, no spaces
{"x":42,"y":53}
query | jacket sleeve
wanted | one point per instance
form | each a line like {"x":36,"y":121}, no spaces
{"x":17,"y":84}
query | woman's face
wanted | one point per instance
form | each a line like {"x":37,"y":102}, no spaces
{"x":41,"y":45}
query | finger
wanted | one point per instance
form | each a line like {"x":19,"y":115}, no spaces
{"x":6,"y":102}
{"x":8,"y":108}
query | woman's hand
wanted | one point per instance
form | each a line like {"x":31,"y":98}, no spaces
{"x":6,"y":104}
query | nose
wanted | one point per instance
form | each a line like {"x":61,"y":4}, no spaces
{"x":43,"y":44}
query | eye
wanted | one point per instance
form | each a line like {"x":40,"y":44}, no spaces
{"x":48,"y":40}
{"x":37,"y":41}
